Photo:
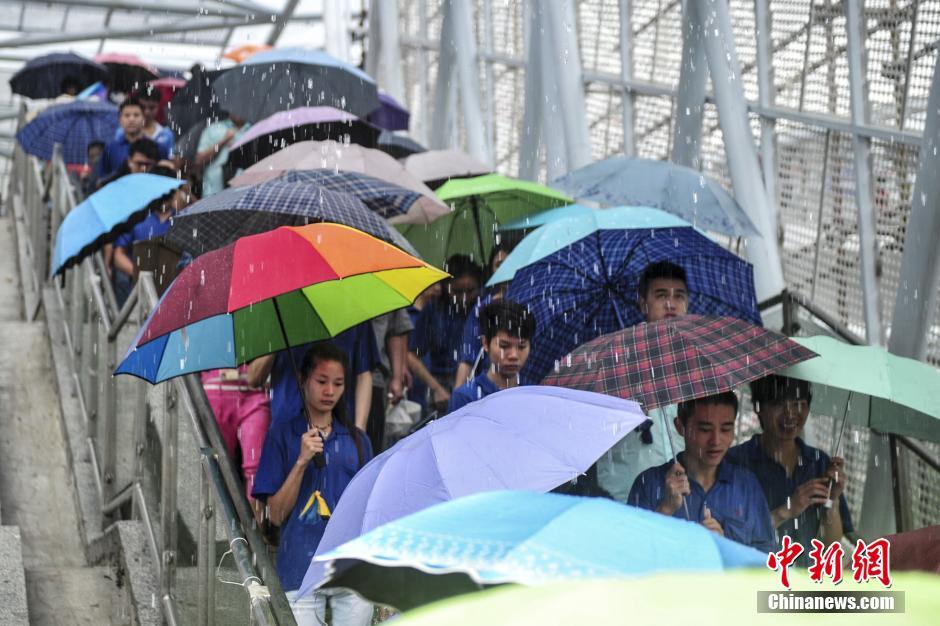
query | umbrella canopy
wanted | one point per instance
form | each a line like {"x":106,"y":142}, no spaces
{"x":128,"y":72}
{"x":195,"y":103}
{"x":288,"y":127}
{"x":679,"y":190}
{"x":667,"y":599}
{"x":218,"y":220}
{"x":563,"y":232}
{"x":890,"y":393}
{"x":545,"y":217}
{"x":241,"y":53}
{"x":331,"y":155}
{"x":288,"y":78}
{"x":42,"y":76}
{"x":391,"y":114}
{"x":479,"y":206}
{"x":398,"y":146}
{"x":521,"y":537}
{"x":533,"y":438}
{"x":74,"y":125}
{"x":436,"y":167}
{"x":105,"y":214}
{"x":677,"y":359}
{"x":396,"y":204}
{"x":590,"y":287}
{"x":267,"y":292}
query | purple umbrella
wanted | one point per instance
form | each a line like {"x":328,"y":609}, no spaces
{"x":532,"y":438}
{"x":391,"y":114}
{"x":287,"y":127}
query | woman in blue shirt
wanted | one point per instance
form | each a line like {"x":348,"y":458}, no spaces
{"x":306,"y":464}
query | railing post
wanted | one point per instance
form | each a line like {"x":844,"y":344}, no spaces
{"x":168,"y":494}
{"x":89,"y":355}
{"x":206,"y":556}
{"x":141,"y":406}
{"x":107,"y":408}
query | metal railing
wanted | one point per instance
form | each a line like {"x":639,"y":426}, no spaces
{"x":93,"y":326}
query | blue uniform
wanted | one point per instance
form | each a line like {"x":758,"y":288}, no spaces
{"x":736,"y":501}
{"x":470,"y":340}
{"x":116,"y":152}
{"x":149,"y":228}
{"x":299,"y":538}
{"x":437,"y":335}
{"x":471,"y":391}
{"x":777,"y":486}
{"x":359,"y":345}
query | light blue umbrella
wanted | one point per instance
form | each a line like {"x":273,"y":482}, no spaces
{"x":522,"y":537}
{"x":559,"y":233}
{"x":105,"y":214}
{"x":540,"y":219}
{"x":673,"y":188}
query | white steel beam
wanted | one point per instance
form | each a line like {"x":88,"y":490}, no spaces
{"x":626,"y":76}
{"x":383,"y":56}
{"x":690,"y":98}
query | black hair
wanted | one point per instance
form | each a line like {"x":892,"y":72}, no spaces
{"x":776,"y":387}
{"x":660,"y":269}
{"x":325,"y":351}
{"x":146,"y":147}
{"x":725,"y":398}
{"x":148,"y":93}
{"x":68,"y":84}
{"x":506,"y":315}
{"x":94,"y":144}
{"x":130,"y":101}
{"x":460,"y":265}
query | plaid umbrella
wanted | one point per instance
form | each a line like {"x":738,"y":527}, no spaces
{"x":74,"y":125}
{"x":677,"y":359}
{"x":221,"y":218}
{"x":589,"y":287}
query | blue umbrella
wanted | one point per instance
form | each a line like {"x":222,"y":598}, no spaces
{"x":589,"y":287}
{"x":42,"y":76}
{"x":673,"y":188}
{"x":545,"y":217}
{"x":114,"y":208}
{"x":391,"y":114}
{"x":521,"y":537}
{"x":74,"y":125}
{"x":534,"y":438}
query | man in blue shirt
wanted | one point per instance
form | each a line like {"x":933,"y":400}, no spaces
{"x":799,"y":481}
{"x":150,"y":105}
{"x":701,"y":485}
{"x":507,"y":328}
{"x":131,"y":119}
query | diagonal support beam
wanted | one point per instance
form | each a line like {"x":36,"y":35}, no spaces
{"x":213,"y":9}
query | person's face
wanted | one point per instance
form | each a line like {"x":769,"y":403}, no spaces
{"x":149,"y":110}
{"x":783,"y":419}
{"x":507,"y":353}
{"x":708,"y":433}
{"x":665,"y":298}
{"x":131,"y":119}
{"x":324,"y":387}
{"x":463,"y":291}
{"x":139,"y":163}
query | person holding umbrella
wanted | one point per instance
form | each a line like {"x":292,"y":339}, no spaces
{"x":306,"y":463}
{"x":800,"y":482}
{"x":212,"y":153}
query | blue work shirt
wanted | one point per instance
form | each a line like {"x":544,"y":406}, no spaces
{"x":471,"y":391}
{"x":116,"y":152}
{"x":777,"y":486}
{"x":149,"y":228}
{"x":359,"y":345}
{"x":418,"y":391}
{"x":736,"y":501}
{"x":162,"y":136}
{"x":437,"y":335}
{"x":470,"y":340}
{"x":299,"y":538}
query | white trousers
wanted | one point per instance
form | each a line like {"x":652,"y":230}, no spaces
{"x":347,"y":608}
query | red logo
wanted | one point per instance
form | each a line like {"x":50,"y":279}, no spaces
{"x":869,"y":560}
{"x":784,"y":559}
{"x":826,"y":563}
{"x":872,"y":561}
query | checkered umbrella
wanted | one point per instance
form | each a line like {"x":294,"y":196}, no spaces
{"x":589,"y":287}
{"x":677,"y":359}
{"x":74,"y":125}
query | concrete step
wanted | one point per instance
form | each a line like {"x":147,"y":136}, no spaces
{"x":13,"y":606}
{"x":76,"y":596}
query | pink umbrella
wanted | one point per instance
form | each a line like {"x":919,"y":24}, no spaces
{"x":128,"y":71}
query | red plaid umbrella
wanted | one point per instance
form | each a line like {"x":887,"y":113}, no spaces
{"x":677,"y":359}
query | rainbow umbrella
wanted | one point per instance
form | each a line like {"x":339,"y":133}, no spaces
{"x":285,"y":287}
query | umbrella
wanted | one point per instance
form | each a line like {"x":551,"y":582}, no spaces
{"x":74,"y":125}
{"x":167,"y":87}
{"x":391,"y":114}
{"x":42,"y":76}
{"x":127,"y":71}
{"x":540,"y":219}
{"x":330,"y":155}
{"x":218,"y":220}
{"x":590,"y":287}
{"x":521,"y":537}
{"x":288,"y":127}
{"x":397,"y":204}
{"x":889,"y":393}
{"x":267,"y":292}
{"x":436,"y":167}
{"x":195,"y":103}
{"x":240,"y":53}
{"x":103,"y":215}
{"x":679,"y":190}
{"x":398,"y":146}
{"x":534,"y":438}
{"x":677,"y":359}
{"x":479,"y":205}
{"x":289,"y":78}
{"x":558,"y":234}
{"x":719,"y":599}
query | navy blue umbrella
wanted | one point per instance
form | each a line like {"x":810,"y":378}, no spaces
{"x":589,"y":288}
{"x":74,"y":125}
{"x":42,"y":77}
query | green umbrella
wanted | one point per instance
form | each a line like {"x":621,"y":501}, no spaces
{"x":701,"y":599}
{"x":872,"y":387}
{"x":479,"y":205}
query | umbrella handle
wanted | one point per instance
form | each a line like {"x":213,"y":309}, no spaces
{"x":672,"y":450}
{"x":845,"y":414}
